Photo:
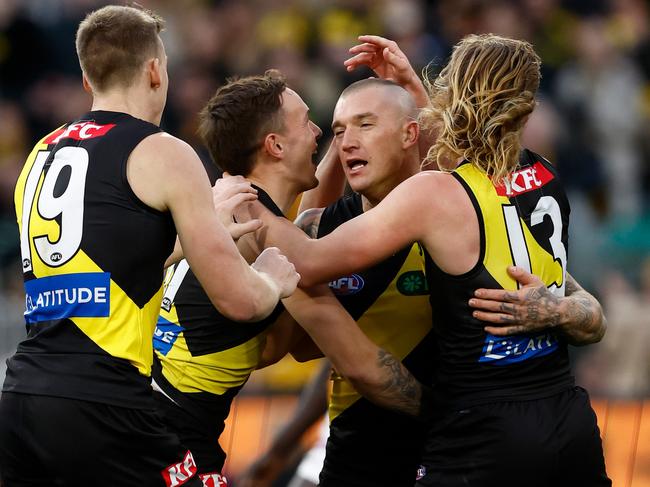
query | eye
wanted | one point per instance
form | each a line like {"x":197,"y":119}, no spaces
{"x":338,"y":133}
{"x":366,"y":125}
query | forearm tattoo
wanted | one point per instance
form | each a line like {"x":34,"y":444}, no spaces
{"x":584,"y":317}
{"x":400,"y":389}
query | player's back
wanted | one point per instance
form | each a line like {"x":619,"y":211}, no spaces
{"x":93,"y":256}
{"x":523,"y":222}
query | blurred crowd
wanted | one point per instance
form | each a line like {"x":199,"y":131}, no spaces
{"x":593,"y":118}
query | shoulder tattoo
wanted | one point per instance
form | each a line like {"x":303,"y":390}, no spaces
{"x":309,"y":220}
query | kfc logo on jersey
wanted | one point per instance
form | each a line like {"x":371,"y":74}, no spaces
{"x":79,"y":131}
{"x":213,"y":480}
{"x":179,"y":473}
{"x":524,"y":180}
{"x":344,"y":286}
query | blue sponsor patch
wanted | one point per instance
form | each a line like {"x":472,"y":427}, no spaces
{"x":165,"y":335}
{"x":344,"y":286}
{"x":83,"y":295}
{"x":517,"y":348}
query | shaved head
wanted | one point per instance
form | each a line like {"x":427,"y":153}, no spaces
{"x":393,"y":94}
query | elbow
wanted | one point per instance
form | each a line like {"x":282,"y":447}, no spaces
{"x":600,"y":333}
{"x":244,"y":310}
{"x":592,"y":337}
{"x":244,"y":314}
{"x":601,"y":329}
{"x":309,"y":276}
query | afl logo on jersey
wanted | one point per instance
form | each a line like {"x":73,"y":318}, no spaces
{"x":56,"y":256}
{"x":345,"y":286}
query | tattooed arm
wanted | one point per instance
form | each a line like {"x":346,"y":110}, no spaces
{"x":373,"y":372}
{"x":578,"y":315}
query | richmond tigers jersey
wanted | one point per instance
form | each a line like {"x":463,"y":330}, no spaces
{"x":523,"y":222}
{"x":390,"y":304}
{"x":93,"y":257}
{"x":203,"y":357}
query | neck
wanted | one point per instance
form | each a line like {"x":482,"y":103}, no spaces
{"x":374,"y":195}
{"x":126,"y":101}
{"x":282,"y":193}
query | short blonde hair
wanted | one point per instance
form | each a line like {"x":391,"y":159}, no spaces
{"x":114,"y":41}
{"x":480,"y":101}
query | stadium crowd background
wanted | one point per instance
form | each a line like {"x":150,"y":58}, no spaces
{"x":593,"y":121}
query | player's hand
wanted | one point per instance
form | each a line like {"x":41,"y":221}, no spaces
{"x":388,"y":61}
{"x":531,"y":308}
{"x":228,"y":193}
{"x":278,"y":268}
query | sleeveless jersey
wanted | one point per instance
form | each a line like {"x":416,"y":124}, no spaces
{"x":370,"y":445}
{"x":93,"y":257}
{"x":523,"y":222}
{"x":203,"y":358}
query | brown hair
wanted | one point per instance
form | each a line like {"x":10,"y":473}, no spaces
{"x":238,"y":116}
{"x":480,"y":101}
{"x":114,"y":41}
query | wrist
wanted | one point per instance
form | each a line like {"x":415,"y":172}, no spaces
{"x":273,"y":287}
{"x":563,"y":312}
{"x":417,"y":90}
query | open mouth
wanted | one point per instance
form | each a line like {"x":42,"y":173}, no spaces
{"x":355,"y":164}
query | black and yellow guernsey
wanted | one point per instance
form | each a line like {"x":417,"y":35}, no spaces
{"x":523,"y":222}
{"x":92,"y":257}
{"x":369,"y":445}
{"x":203,"y":358}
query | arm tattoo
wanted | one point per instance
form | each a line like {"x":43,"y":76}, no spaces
{"x":309,"y":221}
{"x":400,"y":389}
{"x":571,"y":285}
{"x":584,"y":319}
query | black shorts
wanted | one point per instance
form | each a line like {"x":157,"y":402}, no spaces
{"x":46,"y":441}
{"x":201,"y":438}
{"x":537,"y":443}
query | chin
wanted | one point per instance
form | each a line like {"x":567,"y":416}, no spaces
{"x":358,"y":186}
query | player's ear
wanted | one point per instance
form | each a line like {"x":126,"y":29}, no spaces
{"x":410,"y":133}
{"x":154,"y":72}
{"x":86,"y":84}
{"x":274,"y":145}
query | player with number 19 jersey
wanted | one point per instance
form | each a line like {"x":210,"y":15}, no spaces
{"x":93,"y":257}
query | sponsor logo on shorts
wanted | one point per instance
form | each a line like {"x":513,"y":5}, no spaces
{"x":512,"y":349}
{"x":344,"y":286}
{"x":165,"y":334}
{"x":412,"y":283}
{"x":84,"y":295}
{"x":179,"y":473}
{"x":213,"y":480}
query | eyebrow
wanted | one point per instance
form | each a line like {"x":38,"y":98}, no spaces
{"x":355,"y":118}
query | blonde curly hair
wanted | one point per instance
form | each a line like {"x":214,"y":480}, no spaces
{"x":479,"y":104}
